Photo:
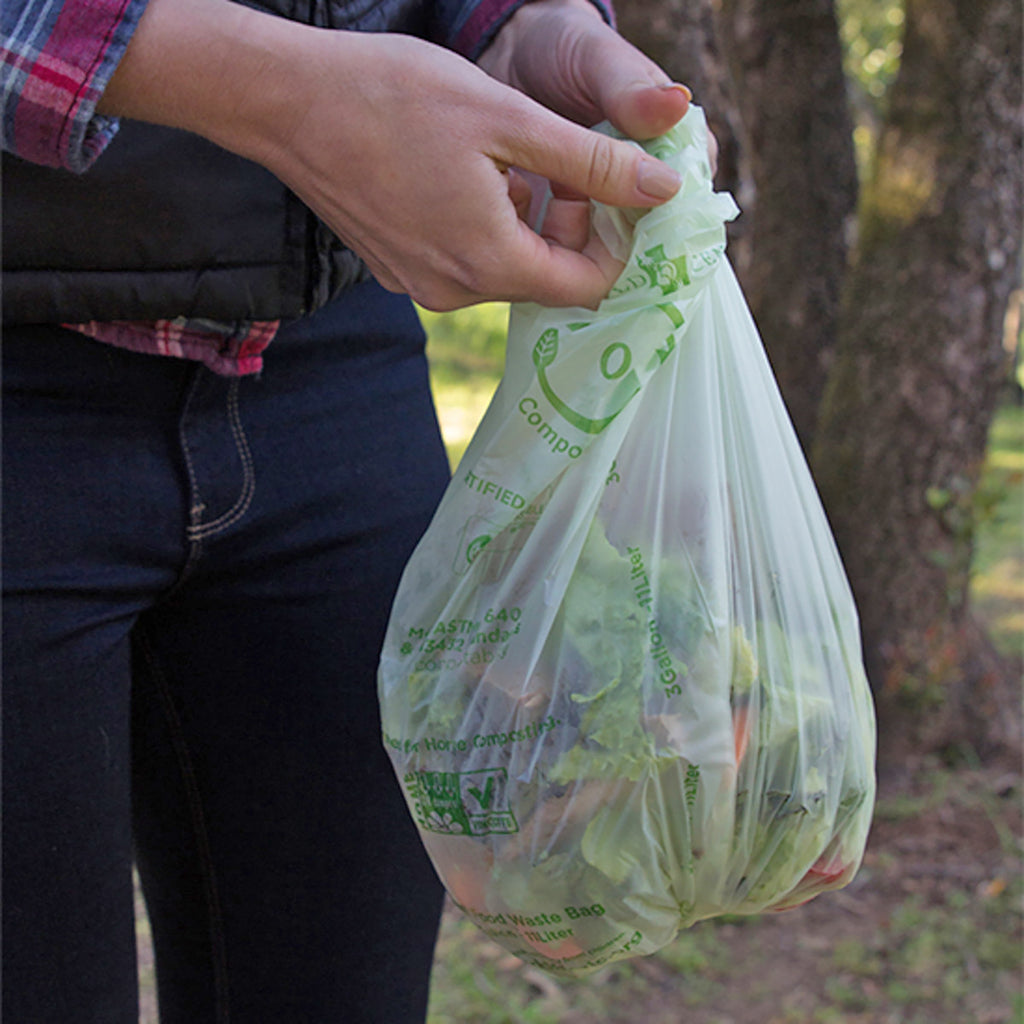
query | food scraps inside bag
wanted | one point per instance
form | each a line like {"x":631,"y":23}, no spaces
{"x":621,"y":686}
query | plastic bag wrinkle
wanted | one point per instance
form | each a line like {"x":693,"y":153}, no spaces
{"x":621,"y":686}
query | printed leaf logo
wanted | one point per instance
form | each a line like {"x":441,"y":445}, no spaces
{"x":546,"y":349}
{"x":476,"y":546}
{"x":662,"y":272}
{"x":615,"y":364}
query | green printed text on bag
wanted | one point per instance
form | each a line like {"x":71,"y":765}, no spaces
{"x":621,"y":686}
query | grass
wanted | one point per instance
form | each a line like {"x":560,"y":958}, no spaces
{"x":998,"y":576}
{"x":466,"y":350}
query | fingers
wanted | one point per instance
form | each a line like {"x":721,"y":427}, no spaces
{"x":627,"y":87}
{"x":566,"y":266}
{"x":567,"y":224}
{"x":563,"y":54}
{"x":645,"y":112}
{"x":594,"y":165}
{"x":555,"y":274}
{"x":520,"y":193}
{"x":567,"y":221}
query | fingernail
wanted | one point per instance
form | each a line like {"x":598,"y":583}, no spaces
{"x":677,"y":87}
{"x":657,"y":179}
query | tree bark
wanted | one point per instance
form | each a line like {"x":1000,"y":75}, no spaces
{"x":787,"y":66}
{"x":679,"y":35}
{"x":920,"y":365}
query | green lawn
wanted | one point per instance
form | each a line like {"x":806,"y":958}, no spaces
{"x":466,"y":350}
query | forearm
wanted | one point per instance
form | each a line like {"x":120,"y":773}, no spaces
{"x":237,"y":76}
{"x":224,"y":71}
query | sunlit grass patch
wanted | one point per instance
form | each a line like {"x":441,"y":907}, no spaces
{"x":997,"y":582}
{"x":466,"y":351}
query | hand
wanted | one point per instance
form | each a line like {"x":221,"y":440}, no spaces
{"x":402,"y":148}
{"x":408,"y":158}
{"x":563,"y":54}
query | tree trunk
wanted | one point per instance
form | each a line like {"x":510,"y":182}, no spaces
{"x":787,"y":66}
{"x":920,"y":365}
{"x":679,"y":35}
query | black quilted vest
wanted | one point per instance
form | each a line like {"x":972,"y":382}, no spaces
{"x":166,"y":224}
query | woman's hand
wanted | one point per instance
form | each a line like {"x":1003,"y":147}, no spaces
{"x":563,"y":54}
{"x":402,"y":148}
{"x":408,"y":154}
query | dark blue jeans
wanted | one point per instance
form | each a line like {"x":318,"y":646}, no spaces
{"x":197,"y":576}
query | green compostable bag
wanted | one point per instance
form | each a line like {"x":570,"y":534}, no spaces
{"x":621,"y":686}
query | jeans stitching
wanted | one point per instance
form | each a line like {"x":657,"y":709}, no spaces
{"x":195,"y":504}
{"x":198,"y":822}
{"x":198,"y":531}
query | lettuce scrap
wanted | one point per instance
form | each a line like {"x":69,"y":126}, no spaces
{"x":614,"y":813}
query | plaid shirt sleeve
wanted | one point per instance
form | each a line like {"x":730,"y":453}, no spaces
{"x":468,"y":26}
{"x":56,"y":59}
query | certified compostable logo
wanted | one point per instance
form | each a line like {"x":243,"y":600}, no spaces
{"x":462,"y":803}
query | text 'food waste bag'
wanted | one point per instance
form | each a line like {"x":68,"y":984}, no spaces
{"x":621,"y":686}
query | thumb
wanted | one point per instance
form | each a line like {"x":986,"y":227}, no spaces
{"x":643,"y":111}
{"x":628,"y":88}
{"x":604,"y":169}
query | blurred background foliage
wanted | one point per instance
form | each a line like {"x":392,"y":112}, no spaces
{"x":872,"y":36}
